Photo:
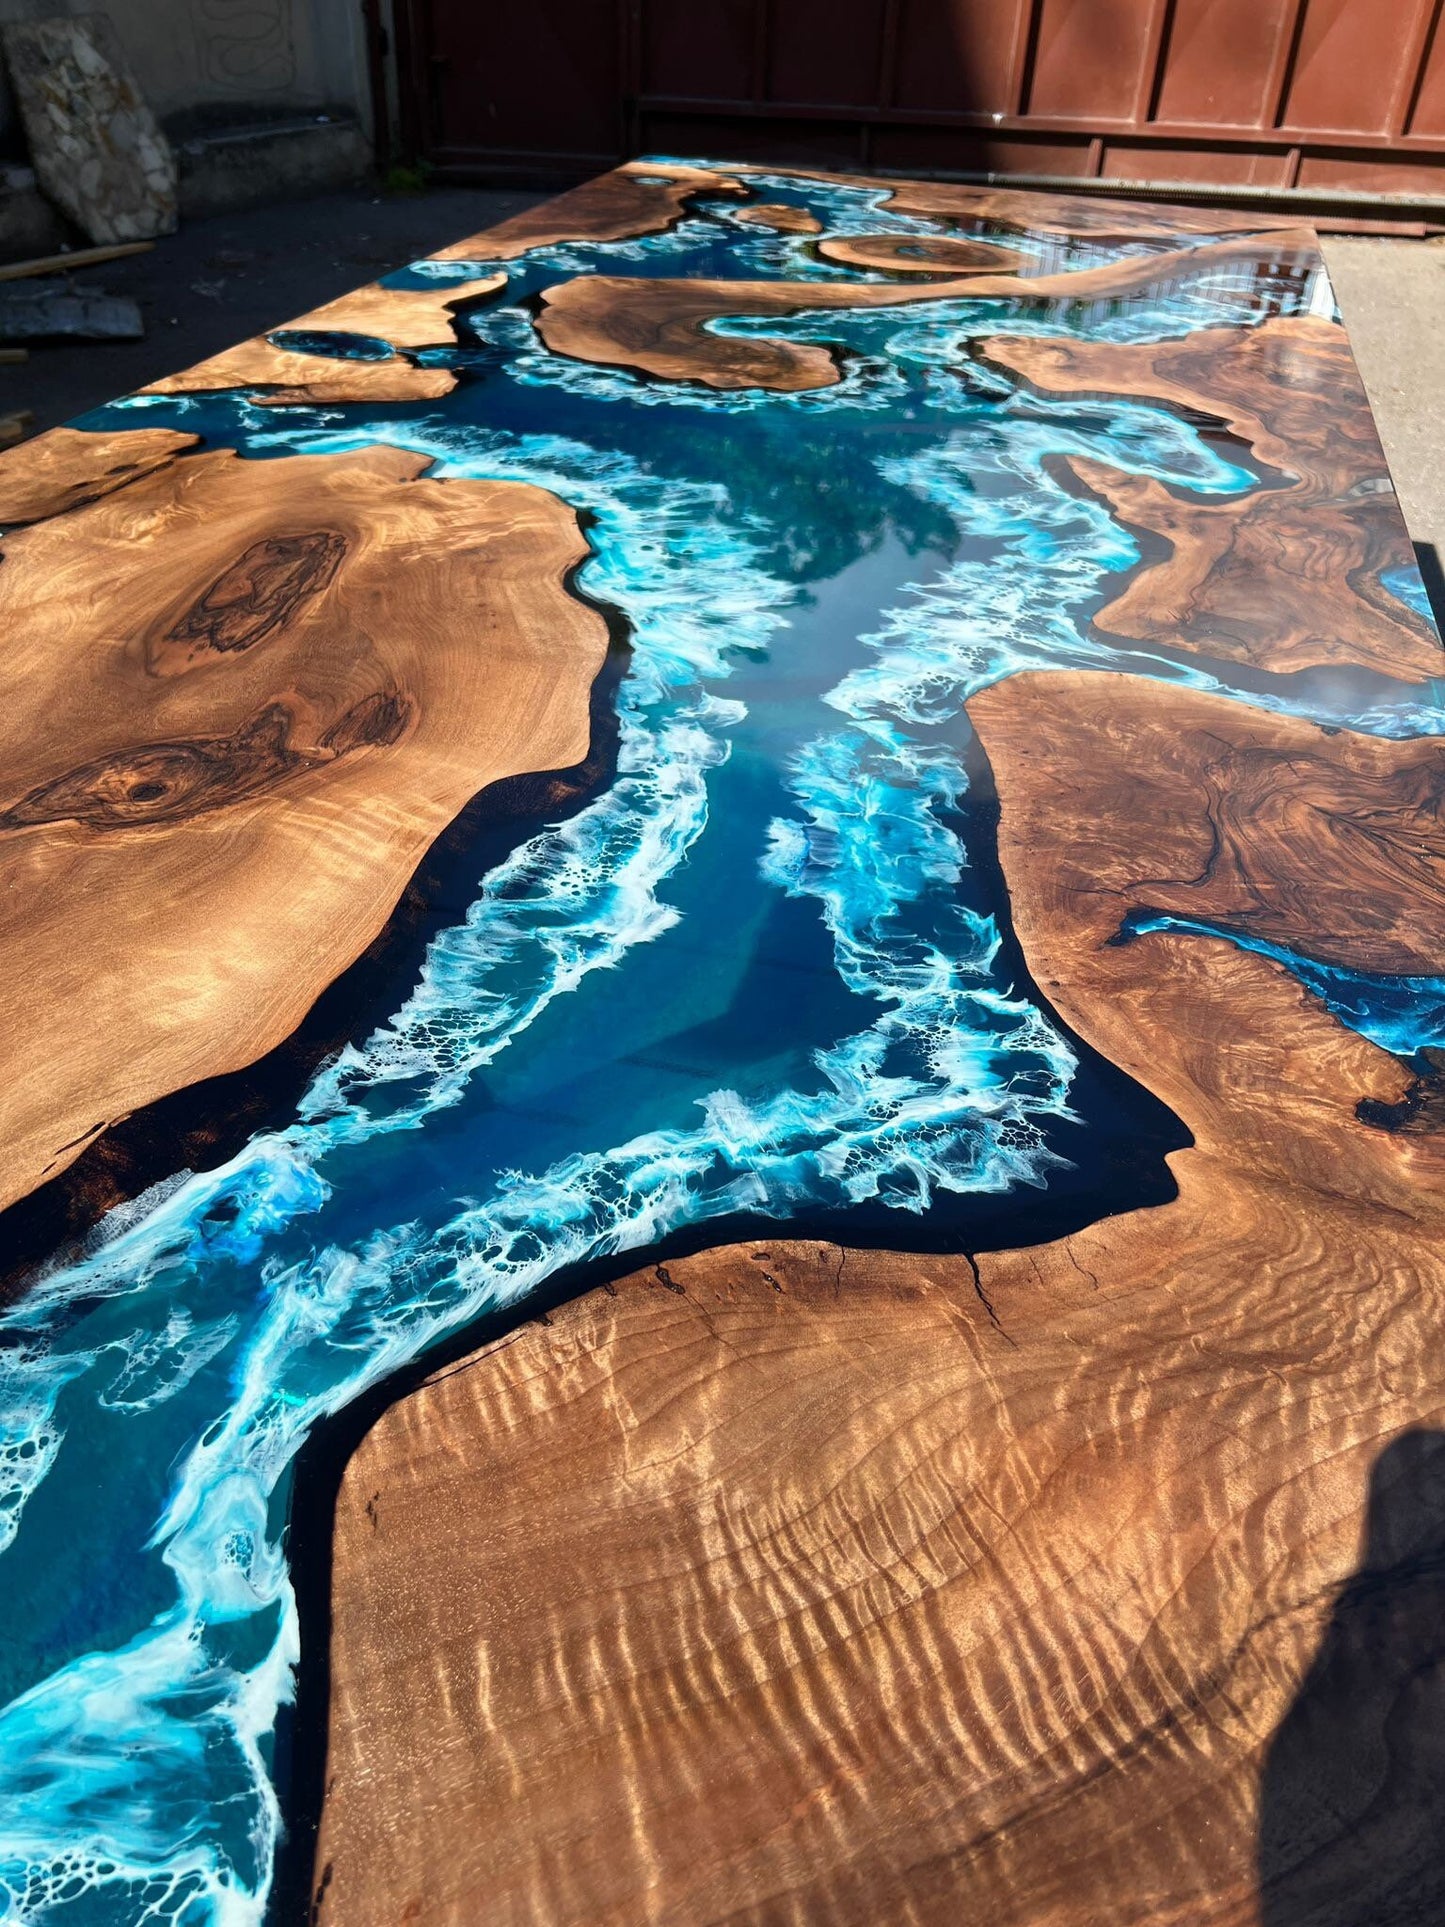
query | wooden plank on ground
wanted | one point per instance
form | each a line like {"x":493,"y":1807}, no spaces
{"x":76,"y":258}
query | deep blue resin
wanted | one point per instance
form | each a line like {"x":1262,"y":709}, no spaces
{"x":336,"y":346}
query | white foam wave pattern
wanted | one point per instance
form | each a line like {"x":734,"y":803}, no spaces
{"x":881,"y":347}
{"x":1015,"y":602}
{"x":581,"y":896}
{"x":972,"y":1066}
{"x":750,"y":249}
{"x":940,"y":1090}
{"x":165,"y":1361}
{"x":31,"y":1381}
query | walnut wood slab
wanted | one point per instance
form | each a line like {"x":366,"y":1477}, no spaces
{"x":798,"y":1583}
{"x":639,"y":198}
{"x":1283,"y":577}
{"x":920,"y":254}
{"x":401,"y":317}
{"x":242,"y":698}
{"x":64,"y":467}
{"x":661,"y":329}
{"x":781,"y":217}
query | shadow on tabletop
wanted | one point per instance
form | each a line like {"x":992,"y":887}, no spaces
{"x":1352,"y":1806}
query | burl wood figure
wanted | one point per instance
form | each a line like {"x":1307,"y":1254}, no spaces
{"x":724,"y":1074}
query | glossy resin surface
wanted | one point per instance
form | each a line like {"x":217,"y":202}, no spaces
{"x":737,"y":708}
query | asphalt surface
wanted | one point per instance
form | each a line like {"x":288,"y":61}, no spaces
{"x":220,"y":280}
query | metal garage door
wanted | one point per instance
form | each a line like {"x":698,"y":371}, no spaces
{"x":1326,"y":95}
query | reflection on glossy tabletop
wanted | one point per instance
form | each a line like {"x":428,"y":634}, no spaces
{"x":725,"y":1014}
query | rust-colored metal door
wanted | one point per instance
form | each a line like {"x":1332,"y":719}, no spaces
{"x":1324,"y":95}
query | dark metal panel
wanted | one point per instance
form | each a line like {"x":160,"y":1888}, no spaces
{"x":629,"y":32}
{"x":415,"y":134}
{"x":697,"y":47}
{"x":957,"y":55}
{"x":888,"y":36}
{"x":1166,"y":132}
{"x":1427,"y":114}
{"x":1229,"y":166}
{"x":1345,"y":66}
{"x":1380,"y":173}
{"x":1219,"y":61}
{"x":810,"y":59}
{"x":1281,"y":65}
{"x":1021,"y":60}
{"x":1237,"y":92}
{"x":1151,"y":60}
{"x":1410,"y":68}
{"x":922,"y":150}
{"x":545,"y":75}
{"x":762,"y":40}
{"x":376,"y":51}
{"x":1088,"y":59}
{"x":804,"y":143}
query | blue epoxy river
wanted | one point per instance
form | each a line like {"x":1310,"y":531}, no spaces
{"x":759,"y":973}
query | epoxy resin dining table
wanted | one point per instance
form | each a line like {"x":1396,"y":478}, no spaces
{"x":723,"y":1000}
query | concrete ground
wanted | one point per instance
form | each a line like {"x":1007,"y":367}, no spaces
{"x":234,"y":275}
{"x":1392,"y":295}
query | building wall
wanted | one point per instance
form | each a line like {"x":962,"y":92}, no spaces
{"x":210,"y":62}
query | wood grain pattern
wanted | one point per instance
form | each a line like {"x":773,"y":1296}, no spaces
{"x":403,"y":317}
{"x":921,"y":254}
{"x":242,"y":698}
{"x":64,"y":467}
{"x":638,"y":198}
{"x":406,"y":317}
{"x":832,"y":1585}
{"x":1327,"y":841}
{"x":781,"y":217}
{"x":1283,"y":577}
{"x":659,"y":327}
